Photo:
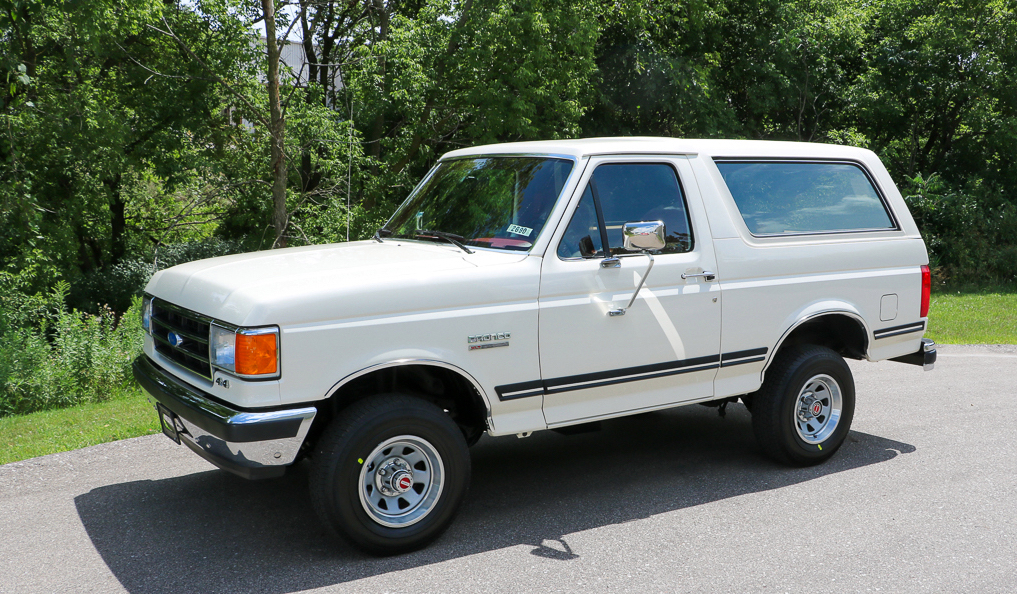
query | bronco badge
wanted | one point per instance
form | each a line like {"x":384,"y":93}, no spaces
{"x":488,"y":341}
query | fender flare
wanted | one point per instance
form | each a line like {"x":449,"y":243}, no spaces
{"x":842,"y":309}
{"x":414,"y":361}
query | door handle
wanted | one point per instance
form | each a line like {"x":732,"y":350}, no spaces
{"x":706,"y":274}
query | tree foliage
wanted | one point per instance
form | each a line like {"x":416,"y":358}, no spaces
{"x":131,"y":126}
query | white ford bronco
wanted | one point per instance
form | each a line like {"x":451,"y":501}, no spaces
{"x":541,"y":285}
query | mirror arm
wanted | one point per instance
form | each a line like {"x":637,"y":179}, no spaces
{"x":621,"y":312}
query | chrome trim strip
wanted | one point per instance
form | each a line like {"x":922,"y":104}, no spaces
{"x":572,"y":158}
{"x":521,"y":394}
{"x":432,"y":362}
{"x":642,"y":153}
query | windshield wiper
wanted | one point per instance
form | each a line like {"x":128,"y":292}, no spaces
{"x":452,"y":238}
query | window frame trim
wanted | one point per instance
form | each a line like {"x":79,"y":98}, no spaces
{"x":600,"y":217}
{"x":811,"y":160}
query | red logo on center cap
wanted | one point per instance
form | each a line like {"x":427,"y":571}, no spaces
{"x":405,"y":483}
{"x":817,"y":407}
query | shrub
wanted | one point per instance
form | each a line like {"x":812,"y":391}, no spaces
{"x":117,"y":285}
{"x":971,"y":232}
{"x":51,"y":357}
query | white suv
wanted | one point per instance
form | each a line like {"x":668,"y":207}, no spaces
{"x":542,"y":285}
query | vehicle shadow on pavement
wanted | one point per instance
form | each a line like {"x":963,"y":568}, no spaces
{"x":213,"y":532}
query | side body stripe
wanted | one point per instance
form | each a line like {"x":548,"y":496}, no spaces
{"x":628,"y":374}
{"x":898,"y":330}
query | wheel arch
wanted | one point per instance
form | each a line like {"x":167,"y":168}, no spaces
{"x":841,"y":329}
{"x":446,"y":385}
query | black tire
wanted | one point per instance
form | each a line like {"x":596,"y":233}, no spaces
{"x":348,"y":473}
{"x":804,"y":431}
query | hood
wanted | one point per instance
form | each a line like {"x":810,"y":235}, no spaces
{"x":328,"y":282}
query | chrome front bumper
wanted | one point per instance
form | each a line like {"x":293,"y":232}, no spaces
{"x":250,"y":444}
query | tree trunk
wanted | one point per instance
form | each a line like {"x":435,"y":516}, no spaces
{"x":277,"y":130}
{"x":118,"y":220}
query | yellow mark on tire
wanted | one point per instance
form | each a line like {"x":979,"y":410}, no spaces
{"x":820,"y":447}
{"x":361,"y":460}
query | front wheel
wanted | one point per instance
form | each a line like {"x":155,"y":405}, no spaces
{"x":389,"y":473}
{"x":803,"y":412}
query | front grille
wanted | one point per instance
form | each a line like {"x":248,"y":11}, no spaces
{"x":191,"y":331}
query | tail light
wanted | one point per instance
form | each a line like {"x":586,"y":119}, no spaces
{"x":926,"y":290}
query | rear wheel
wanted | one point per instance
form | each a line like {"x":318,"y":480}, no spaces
{"x":389,"y":473}
{"x":803,"y":412}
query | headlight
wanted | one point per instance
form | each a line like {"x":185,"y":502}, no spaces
{"x":146,"y":313}
{"x":247,"y":352}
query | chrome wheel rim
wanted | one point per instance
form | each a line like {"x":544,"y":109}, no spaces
{"x":818,"y":409}
{"x":401,"y":480}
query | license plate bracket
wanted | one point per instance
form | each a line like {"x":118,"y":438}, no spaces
{"x":168,"y":420}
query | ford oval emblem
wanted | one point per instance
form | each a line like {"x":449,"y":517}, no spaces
{"x":175,"y":339}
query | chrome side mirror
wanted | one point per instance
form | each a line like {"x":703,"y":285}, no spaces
{"x":643,"y":236}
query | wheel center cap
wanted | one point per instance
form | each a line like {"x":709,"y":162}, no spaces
{"x":402,"y":481}
{"x":395,"y":477}
{"x":809,"y":408}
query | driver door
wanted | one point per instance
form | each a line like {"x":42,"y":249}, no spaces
{"x":665,"y":348}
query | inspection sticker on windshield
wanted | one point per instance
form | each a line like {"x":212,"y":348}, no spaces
{"x":524,"y":231}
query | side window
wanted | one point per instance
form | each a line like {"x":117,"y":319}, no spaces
{"x":628,"y":192}
{"x":788,"y":197}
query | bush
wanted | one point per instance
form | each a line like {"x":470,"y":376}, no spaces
{"x":971,"y":232}
{"x":117,"y":285}
{"x":51,"y":357}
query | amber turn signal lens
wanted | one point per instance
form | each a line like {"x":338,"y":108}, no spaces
{"x":256,"y":354}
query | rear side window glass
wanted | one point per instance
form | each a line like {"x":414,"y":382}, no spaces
{"x":787,"y":197}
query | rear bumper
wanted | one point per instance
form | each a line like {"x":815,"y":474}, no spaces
{"x":925,"y":356}
{"x":250,"y":444}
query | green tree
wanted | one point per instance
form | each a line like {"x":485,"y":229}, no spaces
{"x":939,"y":94}
{"x":109,"y":108}
{"x":464,"y":73}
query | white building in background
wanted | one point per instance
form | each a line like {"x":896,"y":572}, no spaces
{"x":294,"y":67}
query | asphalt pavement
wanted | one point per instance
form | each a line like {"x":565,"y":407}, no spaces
{"x":921,"y":498}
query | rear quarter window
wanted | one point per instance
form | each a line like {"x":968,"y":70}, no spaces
{"x":789,"y":197}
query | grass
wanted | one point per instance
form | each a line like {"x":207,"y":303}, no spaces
{"x":51,"y":431}
{"x":987,"y":316}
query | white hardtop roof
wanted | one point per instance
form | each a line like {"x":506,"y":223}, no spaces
{"x":641,"y":145}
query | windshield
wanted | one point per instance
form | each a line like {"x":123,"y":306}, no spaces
{"x":494,"y":202}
